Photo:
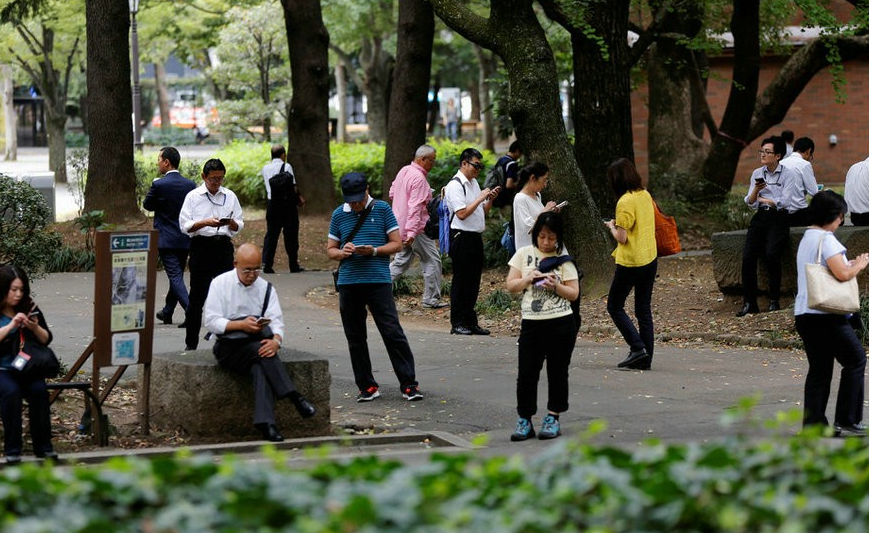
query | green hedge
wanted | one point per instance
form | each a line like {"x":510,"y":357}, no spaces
{"x":244,"y":161}
{"x":802,"y":484}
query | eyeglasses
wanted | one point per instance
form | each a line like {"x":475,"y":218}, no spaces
{"x":478,"y":166}
{"x":251,"y":270}
{"x":765,"y":152}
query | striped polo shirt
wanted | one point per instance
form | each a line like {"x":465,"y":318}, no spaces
{"x":380,"y":222}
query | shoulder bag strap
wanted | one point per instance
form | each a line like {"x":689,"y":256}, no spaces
{"x":820,"y":245}
{"x":266,"y":299}
{"x":356,"y":228}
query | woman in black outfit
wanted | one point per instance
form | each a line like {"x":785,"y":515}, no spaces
{"x":20,"y":315}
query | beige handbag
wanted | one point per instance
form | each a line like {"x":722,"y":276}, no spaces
{"x":828,"y":294}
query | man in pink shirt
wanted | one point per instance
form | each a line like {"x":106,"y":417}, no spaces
{"x":410,"y":194}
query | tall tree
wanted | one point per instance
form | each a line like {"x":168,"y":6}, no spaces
{"x":408,"y":102}
{"x":602,"y":91}
{"x":513,"y":31}
{"x":308,"y":121}
{"x":47,"y":48}
{"x":111,"y":184}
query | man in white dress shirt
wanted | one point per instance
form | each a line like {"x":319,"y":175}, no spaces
{"x":243,"y":310}
{"x":857,"y":192}
{"x":801,"y":162}
{"x":211,"y":215}
{"x":282,"y":214}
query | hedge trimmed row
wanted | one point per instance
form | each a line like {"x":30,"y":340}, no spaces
{"x":802,"y":484}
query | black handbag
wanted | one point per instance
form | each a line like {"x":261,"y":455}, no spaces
{"x":362,"y":217}
{"x":34,"y":360}
{"x":239,"y":335}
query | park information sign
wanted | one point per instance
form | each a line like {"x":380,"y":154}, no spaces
{"x":126,"y":265}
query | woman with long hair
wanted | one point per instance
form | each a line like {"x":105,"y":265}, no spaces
{"x":636,"y":256}
{"x":828,"y":337}
{"x":527,"y":204}
{"x":548,"y":281}
{"x":19,"y":316}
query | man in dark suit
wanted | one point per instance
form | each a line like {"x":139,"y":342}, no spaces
{"x":165,"y":198}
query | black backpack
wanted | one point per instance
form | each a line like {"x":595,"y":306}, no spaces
{"x":497,"y":177}
{"x":282,"y":185}
{"x":431,"y":226}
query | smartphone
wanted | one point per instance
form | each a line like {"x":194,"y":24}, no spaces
{"x":225,"y":221}
{"x":562,"y":204}
{"x":759,"y":181}
{"x":33,"y":313}
{"x":263,"y":321}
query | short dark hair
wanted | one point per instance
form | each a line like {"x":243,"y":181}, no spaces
{"x":788,"y":136}
{"x":8,"y":274}
{"x":535,"y":168}
{"x":804,"y":144}
{"x":778,"y":144}
{"x":171,"y":155}
{"x":555,"y":224}
{"x":278,"y":150}
{"x":211,"y":165}
{"x":515,"y":147}
{"x":826,"y":206}
{"x":470,"y":153}
{"x":623,"y":177}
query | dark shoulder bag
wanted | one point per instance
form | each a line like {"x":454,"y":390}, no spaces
{"x":35,"y":360}
{"x":349,"y":238}
{"x":239,"y":335}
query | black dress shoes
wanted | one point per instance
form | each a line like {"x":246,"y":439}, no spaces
{"x":461,"y":330}
{"x":166,"y":319}
{"x":773,"y":305}
{"x":183,"y":325}
{"x":477,"y":330}
{"x":268,"y":270}
{"x":304,"y":407}
{"x":269,"y":432}
{"x":297,"y":268}
{"x":749,"y":309}
{"x":636,"y":358}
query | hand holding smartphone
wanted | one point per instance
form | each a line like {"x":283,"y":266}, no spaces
{"x":263,"y":321}
{"x":562,"y":204}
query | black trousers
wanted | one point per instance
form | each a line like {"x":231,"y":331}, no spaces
{"x":281,"y":216}
{"x":270,"y":378}
{"x":641,"y":280}
{"x":209,"y":258}
{"x":551,"y":341}
{"x":466,"y":252}
{"x":354,"y":301}
{"x":767,"y":239}
{"x":828,"y":338}
{"x":860,"y":219}
{"x":14,"y":389}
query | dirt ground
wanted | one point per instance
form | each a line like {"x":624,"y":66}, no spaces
{"x":688,"y":309}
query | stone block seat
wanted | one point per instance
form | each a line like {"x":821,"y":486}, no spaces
{"x":727,"y":259}
{"x":192,"y":393}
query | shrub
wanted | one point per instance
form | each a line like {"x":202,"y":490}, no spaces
{"x":496,"y":303}
{"x":25,"y":238}
{"x":778,"y":484}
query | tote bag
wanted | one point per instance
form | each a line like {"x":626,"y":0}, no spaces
{"x":826,"y":293}
{"x":666,"y":233}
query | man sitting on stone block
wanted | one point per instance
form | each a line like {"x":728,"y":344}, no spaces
{"x":242,"y":309}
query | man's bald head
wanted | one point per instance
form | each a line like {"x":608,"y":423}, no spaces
{"x":248,"y":261}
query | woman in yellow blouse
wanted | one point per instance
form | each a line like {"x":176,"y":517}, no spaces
{"x":636,"y":262}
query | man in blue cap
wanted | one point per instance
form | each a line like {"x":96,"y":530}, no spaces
{"x":363,"y":233}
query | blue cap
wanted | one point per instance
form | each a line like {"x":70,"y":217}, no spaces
{"x":354,"y":186}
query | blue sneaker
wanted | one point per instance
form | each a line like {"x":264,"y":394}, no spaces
{"x":551,"y":428}
{"x":524,"y":430}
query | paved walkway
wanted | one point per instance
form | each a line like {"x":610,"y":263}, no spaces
{"x":469,"y":381}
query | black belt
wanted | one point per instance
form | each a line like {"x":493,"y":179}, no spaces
{"x":766,"y":207}
{"x":212,"y":238}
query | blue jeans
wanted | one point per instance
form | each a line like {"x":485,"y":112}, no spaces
{"x":13,"y":390}
{"x":641,"y":280}
{"x":174,"y":261}
{"x":377,"y":297}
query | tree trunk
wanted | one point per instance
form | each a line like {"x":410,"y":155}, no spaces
{"x":408,"y":103}
{"x":111,"y":183}
{"x":514,"y":33}
{"x":487,"y":70}
{"x":10,"y":118}
{"x":55,"y":127}
{"x":341,"y":90}
{"x":602,"y":93}
{"x":162,"y":96}
{"x":308,"y":120}
{"x":720,"y":166}
{"x":377,"y":65}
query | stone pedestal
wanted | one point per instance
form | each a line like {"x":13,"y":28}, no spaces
{"x":190,"y":392}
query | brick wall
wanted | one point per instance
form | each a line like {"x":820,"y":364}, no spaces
{"x":814,"y":114}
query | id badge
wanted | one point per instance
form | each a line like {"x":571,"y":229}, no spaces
{"x":20,"y":361}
